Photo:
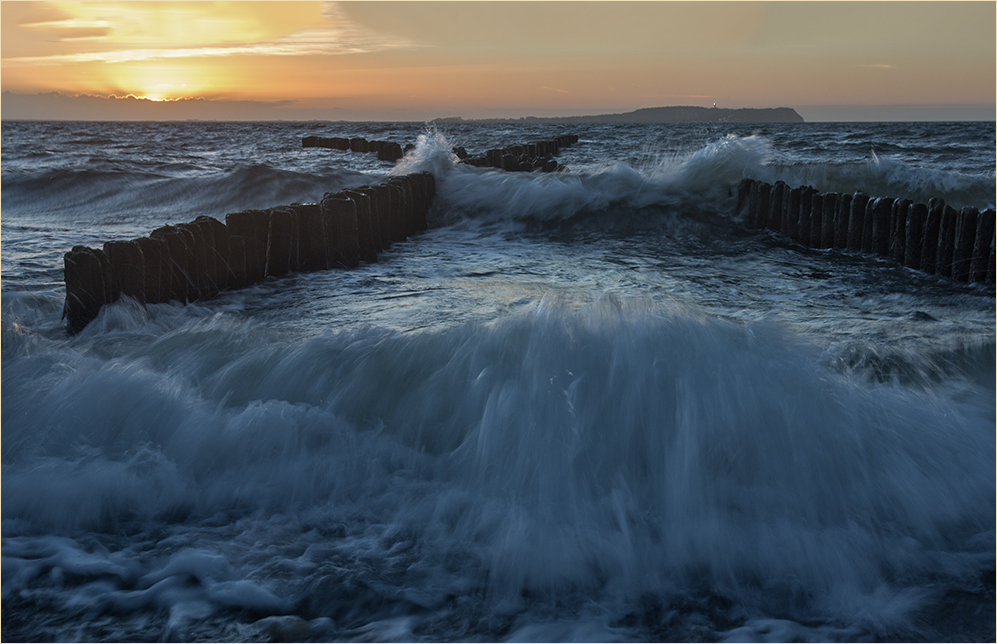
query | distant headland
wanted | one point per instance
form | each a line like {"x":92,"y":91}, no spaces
{"x":679,"y":114}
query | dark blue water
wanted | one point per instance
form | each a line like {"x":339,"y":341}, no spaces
{"x":587,"y":405}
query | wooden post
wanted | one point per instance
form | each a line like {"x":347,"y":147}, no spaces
{"x":343,"y":235}
{"x":365,"y":226}
{"x":236,"y":268}
{"x":827,"y":232}
{"x":841,"y":221}
{"x":816,"y":219}
{"x":946,"y":241}
{"x":86,"y":280}
{"x":424,"y":186}
{"x":882,"y":210}
{"x":396,"y":207}
{"x":990,"y":262}
{"x":898,"y":230}
{"x":253,"y":226}
{"x":929,"y":236}
{"x":773,"y":216}
{"x":856,"y":220}
{"x":127,"y":269}
{"x":406,"y":206}
{"x":280,"y":242}
{"x":965,"y":241}
{"x":754,"y":204}
{"x":312,"y":244}
{"x":803,"y":220}
{"x":198,"y":288}
{"x":981,"y":246}
{"x":154,"y":255}
{"x":216,"y":235}
{"x":380,"y":200}
{"x":179,"y":260}
{"x":917,"y":215}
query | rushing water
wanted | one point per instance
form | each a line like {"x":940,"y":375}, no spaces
{"x":586,"y":405}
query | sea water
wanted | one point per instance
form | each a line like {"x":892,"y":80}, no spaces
{"x":585,"y":405}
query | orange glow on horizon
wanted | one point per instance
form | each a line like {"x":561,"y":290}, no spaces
{"x":464,"y":58}
{"x":157,"y":83}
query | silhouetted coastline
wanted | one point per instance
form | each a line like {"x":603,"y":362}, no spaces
{"x":675,"y":114}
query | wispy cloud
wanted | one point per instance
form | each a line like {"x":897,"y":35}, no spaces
{"x":71,"y":29}
{"x":554,"y":89}
{"x":339,"y":36}
{"x":67,"y":24}
{"x":876,"y":65}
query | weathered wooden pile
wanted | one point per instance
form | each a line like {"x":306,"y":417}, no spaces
{"x":934,"y":238}
{"x":528,"y":157}
{"x":386,"y":150}
{"x":195,"y":261}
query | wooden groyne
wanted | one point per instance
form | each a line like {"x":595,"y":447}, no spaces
{"x":528,"y":157}
{"x":934,"y":238}
{"x":195,"y":261}
{"x":386,"y":150}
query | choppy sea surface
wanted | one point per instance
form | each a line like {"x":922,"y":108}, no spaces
{"x":585,"y":405}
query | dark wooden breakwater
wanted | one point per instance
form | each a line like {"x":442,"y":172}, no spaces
{"x":528,"y":157}
{"x":386,"y":150}
{"x":934,"y":238}
{"x":195,"y":261}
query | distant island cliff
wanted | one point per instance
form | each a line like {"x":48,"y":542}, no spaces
{"x":680,"y":114}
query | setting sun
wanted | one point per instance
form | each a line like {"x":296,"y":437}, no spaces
{"x":153,"y":49}
{"x":156,"y":82}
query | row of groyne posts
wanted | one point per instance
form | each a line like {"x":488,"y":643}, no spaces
{"x":934,"y":238}
{"x":197,"y":260}
{"x":385,"y":150}
{"x":528,"y":157}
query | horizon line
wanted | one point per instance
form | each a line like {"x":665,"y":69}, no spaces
{"x":57,"y":106}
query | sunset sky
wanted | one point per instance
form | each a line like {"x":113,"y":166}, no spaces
{"x":415,"y":60}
